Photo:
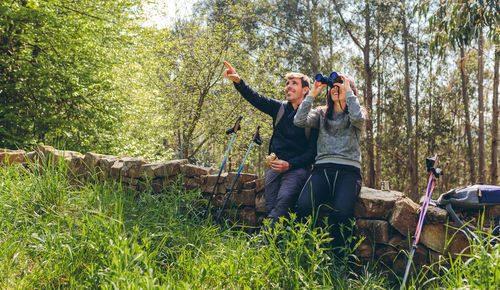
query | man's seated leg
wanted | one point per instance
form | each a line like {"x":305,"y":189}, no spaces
{"x":291,"y":185}
{"x":272,"y":186}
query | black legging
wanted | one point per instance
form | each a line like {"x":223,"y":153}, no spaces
{"x":333,"y":184}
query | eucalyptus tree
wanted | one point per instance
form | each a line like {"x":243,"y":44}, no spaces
{"x":300,"y":28}
{"x":494,"y":119}
{"x":458,"y":23}
{"x":412,"y":163}
{"x":356,"y":19}
{"x":411,"y":49}
{"x":56,"y":70}
{"x":455,"y":34}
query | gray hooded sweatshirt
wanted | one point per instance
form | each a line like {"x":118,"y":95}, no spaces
{"x":339,"y":143}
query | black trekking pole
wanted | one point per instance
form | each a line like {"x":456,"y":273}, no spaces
{"x":435,"y":172}
{"x":233,"y":130}
{"x":256,"y":139}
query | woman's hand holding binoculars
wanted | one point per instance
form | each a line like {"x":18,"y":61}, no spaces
{"x":316,"y":89}
{"x":345,"y":86}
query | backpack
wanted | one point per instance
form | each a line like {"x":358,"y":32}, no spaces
{"x":280,"y":114}
{"x":473,"y":196}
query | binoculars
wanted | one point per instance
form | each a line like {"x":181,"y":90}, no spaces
{"x":333,"y":78}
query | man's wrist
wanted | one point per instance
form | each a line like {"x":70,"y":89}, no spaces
{"x":238,"y":84}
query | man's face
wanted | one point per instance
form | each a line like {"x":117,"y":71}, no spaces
{"x":294,"y":90}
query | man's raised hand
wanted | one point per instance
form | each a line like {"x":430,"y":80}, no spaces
{"x":230,"y":73}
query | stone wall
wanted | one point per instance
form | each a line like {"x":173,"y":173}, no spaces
{"x":385,"y":218}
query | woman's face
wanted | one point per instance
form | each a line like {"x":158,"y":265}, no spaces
{"x":334,"y":93}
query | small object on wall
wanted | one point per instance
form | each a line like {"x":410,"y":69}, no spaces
{"x":386,"y":185}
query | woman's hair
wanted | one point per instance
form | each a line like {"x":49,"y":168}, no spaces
{"x":329,"y":101}
{"x":328,"y":108}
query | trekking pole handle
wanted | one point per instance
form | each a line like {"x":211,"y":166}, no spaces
{"x":436,"y":158}
{"x":432,"y":166}
{"x":236,"y":126}
{"x":256,"y":137}
{"x":437,"y":169}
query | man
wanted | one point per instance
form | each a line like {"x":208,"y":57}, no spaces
{"x":295,"y":147}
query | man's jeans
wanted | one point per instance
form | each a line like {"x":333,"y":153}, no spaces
{"x":282,"y":191}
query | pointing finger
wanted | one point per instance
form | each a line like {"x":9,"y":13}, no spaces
{"x":229,"y":66}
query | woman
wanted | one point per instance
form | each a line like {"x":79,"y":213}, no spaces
{"x":336,"y":177}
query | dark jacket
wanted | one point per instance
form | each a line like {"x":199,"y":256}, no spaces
{"x":288,"y":141}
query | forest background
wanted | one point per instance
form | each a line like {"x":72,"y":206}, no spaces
{"x":98,"y":76}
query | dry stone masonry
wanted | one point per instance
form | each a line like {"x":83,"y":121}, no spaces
{"x":384,"y":218}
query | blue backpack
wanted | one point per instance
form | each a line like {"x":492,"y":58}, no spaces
{"x":473,"y":196}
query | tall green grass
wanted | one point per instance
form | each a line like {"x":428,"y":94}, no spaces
{"x":477,"y":267}
{"x":57,"y":232}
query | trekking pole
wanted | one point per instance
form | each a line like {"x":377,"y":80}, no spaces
{"x":233,"y":130}
{"x":435,"y":172}
{"x":256,"y":139}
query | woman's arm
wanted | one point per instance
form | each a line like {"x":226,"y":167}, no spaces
{"x":357,"y":116}
{"x":305,"y":117}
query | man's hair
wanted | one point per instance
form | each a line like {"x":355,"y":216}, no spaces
{"x":295,"y":75}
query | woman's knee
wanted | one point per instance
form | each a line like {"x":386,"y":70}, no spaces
{"x":304,"y":206}
{"x":342,"y":215}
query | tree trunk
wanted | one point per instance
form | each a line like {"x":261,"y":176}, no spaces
{"x":368,"y":98}
{"x":331,"y":40}
{"x":494,"y":120}
{"x":315,"y":59}
{"x":482,"y":159}
{"x":413,"y":194}
{"x":416,"y":138}
{"x":468,"y":131}
{"x":378,"y":121}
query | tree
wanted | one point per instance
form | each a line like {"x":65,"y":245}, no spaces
{"x":56,"y":78}
{"x":363,"y":37}
{"x":456,"y":35}
{"x":299,"y":28}
{"x":412,"y":167}
{"x":480,"y":81}
{"x":494,"y":127}
{"x":200,"y":106}
{"x":458,"y":23}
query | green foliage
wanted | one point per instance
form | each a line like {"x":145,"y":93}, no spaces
{"x":56,"y":74}
{"x":457,"y":22}
{"x":85,"y":75}
{"x":179,"y":105}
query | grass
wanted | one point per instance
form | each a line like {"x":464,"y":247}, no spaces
{"x":58,"y":233}
{"x":477,"y":267}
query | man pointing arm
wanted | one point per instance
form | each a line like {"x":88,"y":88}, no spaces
{"x":294,"y":146}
